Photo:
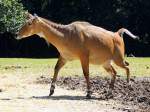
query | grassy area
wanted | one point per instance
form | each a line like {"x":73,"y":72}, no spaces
{"x":138,"y":67}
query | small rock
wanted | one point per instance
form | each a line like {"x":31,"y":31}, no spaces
{"x":1,"y":90}
{"x":141,"y":99}
{"x":42,"y":77}
{"x":147,"y":67}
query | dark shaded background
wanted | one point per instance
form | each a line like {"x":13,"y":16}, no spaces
{"x":109,"y":14}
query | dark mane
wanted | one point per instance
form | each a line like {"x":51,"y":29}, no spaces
{"x":53,"y":24}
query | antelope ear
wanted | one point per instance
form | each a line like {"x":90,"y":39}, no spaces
{"x":29,"y":16}
{"x":35,"y":15}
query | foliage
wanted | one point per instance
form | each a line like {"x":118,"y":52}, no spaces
{"x":110,"y":14}
{"x":12,"y":15}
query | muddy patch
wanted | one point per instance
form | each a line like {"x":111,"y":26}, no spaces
{"x":137,"y":93}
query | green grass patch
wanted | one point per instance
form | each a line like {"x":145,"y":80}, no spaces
{"x":138,"y":66}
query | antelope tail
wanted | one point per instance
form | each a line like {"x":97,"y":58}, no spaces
{"x":123,"y":30}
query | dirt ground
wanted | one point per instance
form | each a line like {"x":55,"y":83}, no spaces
{"x":135,"y":95}
{"x":19,"y":93}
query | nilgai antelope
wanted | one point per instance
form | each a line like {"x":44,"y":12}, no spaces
{"x":80,"y":40}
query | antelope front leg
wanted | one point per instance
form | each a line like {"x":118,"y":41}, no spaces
{"x":60,"y":63}
{"x":85,"y":67}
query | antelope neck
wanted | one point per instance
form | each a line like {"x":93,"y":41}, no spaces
{"x":52,"y":34}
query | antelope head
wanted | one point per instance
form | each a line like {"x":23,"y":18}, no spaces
{"x":29,"y":28}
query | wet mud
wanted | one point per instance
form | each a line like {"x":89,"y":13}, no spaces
{"x":136,"y":93}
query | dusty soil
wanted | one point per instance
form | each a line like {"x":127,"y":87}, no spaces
{"x":29,"y":93}
{"x":136,"y":94}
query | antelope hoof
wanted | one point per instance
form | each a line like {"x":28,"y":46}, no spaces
{"x":109,"y":94}
{"x":51,"y":92}
{"x":88,"y":96}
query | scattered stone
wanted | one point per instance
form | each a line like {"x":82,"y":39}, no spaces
{"x":1,"y":90}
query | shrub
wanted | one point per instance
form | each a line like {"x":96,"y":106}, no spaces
{"x":12,"y":15}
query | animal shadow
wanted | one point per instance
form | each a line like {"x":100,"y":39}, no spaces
{"x":64,"y":97}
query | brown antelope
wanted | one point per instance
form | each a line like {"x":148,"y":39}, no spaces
{"x":81,"y":40}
